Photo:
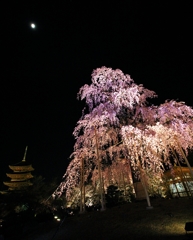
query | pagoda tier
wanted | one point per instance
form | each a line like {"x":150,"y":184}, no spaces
{"x":21,"y":167}
{"x":20,"y":176}
{"x":17,"y":185}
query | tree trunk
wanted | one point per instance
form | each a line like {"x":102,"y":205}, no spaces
{"x":99,"y":172}
{"x":82,"y":187}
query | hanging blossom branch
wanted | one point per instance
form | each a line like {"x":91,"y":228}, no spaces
{"x":85,"y":148}
{"x":177,"y":117}
{"x":118,"y":172}
{"x":153,"y":145}
{"x":174,"y":137}
{"x":144,"y":151}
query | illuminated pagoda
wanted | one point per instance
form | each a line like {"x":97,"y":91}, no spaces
{"x":21,"y":175}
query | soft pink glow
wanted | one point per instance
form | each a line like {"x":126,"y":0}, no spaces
{"x":118,"y":109}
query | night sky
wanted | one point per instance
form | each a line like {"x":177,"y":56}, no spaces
{"x":42,"y":69}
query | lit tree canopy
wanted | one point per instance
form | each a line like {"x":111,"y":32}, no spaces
{"x":110,"y":93}
{"x":126,"y":126}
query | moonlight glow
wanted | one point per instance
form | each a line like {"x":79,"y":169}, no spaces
{"x":33,"y":25}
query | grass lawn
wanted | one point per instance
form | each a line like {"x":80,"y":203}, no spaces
{"x":129,"y":221}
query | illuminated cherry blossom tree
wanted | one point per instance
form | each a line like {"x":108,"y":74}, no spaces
{"x":111,"y":100}
{"x":119,"y":123}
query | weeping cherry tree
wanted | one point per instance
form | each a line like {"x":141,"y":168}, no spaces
{"x":119,"y":123}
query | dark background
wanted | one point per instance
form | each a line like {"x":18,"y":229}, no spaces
{"x":42,"y":69}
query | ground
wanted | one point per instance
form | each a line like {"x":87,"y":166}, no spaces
{"x":166,"y":220}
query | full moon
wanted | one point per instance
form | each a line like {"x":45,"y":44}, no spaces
{"x":33,"y":25}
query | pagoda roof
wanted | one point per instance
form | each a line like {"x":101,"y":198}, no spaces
{"x":21,"y":168}
{"x":24,"y":176}
{"x":18,"y":184}
{"x":21,"y":163}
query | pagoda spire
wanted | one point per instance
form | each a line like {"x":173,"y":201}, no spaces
{"x":24,"y":157}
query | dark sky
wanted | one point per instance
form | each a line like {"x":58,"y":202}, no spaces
{"x":42,"y":69}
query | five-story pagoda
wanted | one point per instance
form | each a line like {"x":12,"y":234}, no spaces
{"x":21,"y":175}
